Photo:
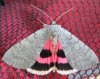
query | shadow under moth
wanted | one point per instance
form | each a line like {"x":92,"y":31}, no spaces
{"x":51,"y":48}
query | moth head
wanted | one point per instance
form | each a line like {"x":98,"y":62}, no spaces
{"x":52,"y":24}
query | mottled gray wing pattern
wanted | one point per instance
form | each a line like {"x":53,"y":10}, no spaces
{"x":80,"y":55}
{"x":23,"y":54}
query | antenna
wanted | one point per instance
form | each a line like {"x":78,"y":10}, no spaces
{"x":63,"y":14}
{"x":45,"y":25}
{"x":40,"y":21}
{"x":42,"y":11}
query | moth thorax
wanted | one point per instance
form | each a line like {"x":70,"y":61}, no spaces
{"x":53,"y":29}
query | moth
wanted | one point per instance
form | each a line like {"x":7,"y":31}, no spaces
{"x":51,"y":48}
